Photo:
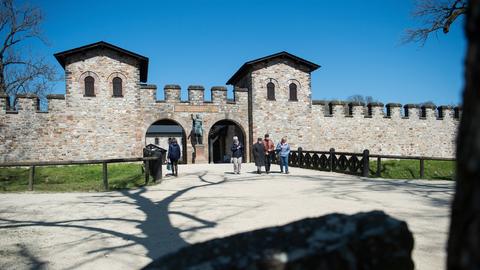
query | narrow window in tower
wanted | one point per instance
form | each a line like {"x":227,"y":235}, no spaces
{"x":270,"y":91}
{"x":293,"y":92}
{"x":89,"y":86}
{"x":117,"y":87}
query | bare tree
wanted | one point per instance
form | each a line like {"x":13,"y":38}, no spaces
{"x":360,"y":98}
{"x":435,"y":15}
{"x":20,"y":70}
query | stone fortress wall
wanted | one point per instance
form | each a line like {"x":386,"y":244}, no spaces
{"x":78,"y":127}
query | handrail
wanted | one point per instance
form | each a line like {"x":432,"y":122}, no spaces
{"x":353,"y":166}
{"x":104,"y":163}
{"x":411,"y":157}
{"x":74,"y":162}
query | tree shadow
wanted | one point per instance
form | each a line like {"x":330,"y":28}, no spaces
{"x":345,"y":187}
{"x":23,"y":259}
{"x":158,"y":235}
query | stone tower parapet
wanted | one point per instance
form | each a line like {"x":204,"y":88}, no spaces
{"x":411,"y":111}
{"x":172,"y":93}
{"x":375,"y":110}
{"x":196,"y":94}
{"x":219,"y":94}
{"x":356,"y":109}
{"x":394,"y":110}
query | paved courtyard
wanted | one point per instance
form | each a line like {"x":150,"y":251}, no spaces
{"x":128,"y":229}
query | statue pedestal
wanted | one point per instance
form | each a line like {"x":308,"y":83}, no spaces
{"x":200,"y":157}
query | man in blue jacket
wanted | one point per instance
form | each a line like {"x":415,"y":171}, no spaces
{"x":174,"y":155}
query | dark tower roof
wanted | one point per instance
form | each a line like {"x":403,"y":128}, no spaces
{"x":61,"y":56}
{"x":245,"y":68}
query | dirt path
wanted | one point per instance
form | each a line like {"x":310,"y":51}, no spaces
{"x":128,"y":229}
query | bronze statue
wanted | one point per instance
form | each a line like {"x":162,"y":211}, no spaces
{"x":197,"y":130}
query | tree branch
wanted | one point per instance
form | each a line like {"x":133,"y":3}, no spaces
{"x":435,"y":15}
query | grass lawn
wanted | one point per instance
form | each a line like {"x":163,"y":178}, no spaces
{"x":410,"y":169}
{"x":129,"y":175}
{"x":73,"y":178}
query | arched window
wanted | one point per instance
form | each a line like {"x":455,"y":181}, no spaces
{"x":293,"y":92}
{"x":117,"y":87}
{"x":89,"y":86}
{"x":270,"y":91}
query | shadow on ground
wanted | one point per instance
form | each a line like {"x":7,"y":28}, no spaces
{"x":157,"y":228}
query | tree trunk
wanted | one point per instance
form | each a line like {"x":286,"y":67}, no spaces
{"x":464,"y":238}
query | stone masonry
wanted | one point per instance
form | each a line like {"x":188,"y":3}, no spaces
{"x":79,"y":127}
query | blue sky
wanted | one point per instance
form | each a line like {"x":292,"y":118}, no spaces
{"x":357,"y":43}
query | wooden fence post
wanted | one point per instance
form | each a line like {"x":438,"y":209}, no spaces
{"x":331,"y":158}
{"x":105,"y":176}
{"x":31,"y":178}
{"x":422,"y":168}
{"x":366,"y":163}
{"x":379,"y":166}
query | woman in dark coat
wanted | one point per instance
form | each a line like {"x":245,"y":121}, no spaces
{"x":259,"y":155}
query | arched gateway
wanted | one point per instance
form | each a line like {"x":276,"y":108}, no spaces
{"x":220,"y":139}
{"x":159,"y":132}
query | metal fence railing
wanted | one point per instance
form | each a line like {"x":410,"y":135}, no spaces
{"x":348,"y":162}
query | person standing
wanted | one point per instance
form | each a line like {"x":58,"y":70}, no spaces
{"x":169,"y":164}
{"x":174,"y":155}
{"x":259,"y":155}
{"x":269,"y":149}
{"x":283,"y":148}
{"x":237,"y":154}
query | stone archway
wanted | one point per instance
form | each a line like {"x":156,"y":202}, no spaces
{"x":220,"y":139}
{"x":159,"y":132}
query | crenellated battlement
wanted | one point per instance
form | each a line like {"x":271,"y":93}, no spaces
{"x":30,"y":103}
{"x":109,"y":106}
{"x":196,"y":94}
{"x":219,"y":94}
{"x":172,"y":93}
{"x":340,"y":109}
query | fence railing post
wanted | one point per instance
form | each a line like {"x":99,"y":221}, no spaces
{"x":379,"y":166}
{"x":147,"y":172}
{"x":105,"y":176}
{"x":366,"y":163}
{"x":300,"y":157}
{"x":331,"y":158}
{"x":422,"y":168}
{"x":31,"y":178}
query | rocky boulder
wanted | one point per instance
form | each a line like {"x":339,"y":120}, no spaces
{"x":370,"y":240}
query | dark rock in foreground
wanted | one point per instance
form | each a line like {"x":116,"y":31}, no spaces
{"x":370,"y":240}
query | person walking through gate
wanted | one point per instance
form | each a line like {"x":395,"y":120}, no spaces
{"x":283,"y":148}
{"x":259,"y":155}
{"x":169,"y":163}
{"x":237,"y":154}
{"x":174,"y":155}
{"x":269,"y":149}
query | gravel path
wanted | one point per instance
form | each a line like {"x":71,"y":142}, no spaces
{"x":128,"y":229}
